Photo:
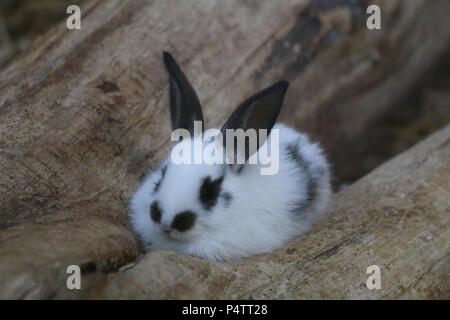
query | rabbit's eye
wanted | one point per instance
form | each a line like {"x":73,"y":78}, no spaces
{"x":227,"y":197}
{"x":210,"y":191}
{"x":155,"y":212}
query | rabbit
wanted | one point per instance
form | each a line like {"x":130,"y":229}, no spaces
{"x":225,"y":212}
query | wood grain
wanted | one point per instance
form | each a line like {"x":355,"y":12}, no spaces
{"x":83,"y":116}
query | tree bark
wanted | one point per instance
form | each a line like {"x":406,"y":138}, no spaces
{"x":83,"y":114}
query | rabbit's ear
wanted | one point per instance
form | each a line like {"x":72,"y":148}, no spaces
{"x":185,"y":106}
{"x":257,"y":112}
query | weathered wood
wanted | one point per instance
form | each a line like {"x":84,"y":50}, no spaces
{"x":397,"y":217}
{"x":83,"y":114}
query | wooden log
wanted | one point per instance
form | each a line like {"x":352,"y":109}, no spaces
{"x":83,"y":114}
{"x":397,"y":218}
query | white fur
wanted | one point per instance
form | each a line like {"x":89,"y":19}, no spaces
{"x":258,"y":219}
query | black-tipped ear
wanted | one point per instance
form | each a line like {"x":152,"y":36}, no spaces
{"x":185,"y":106}
{"x":257,"y":112}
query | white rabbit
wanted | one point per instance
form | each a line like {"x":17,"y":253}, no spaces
{"x":224,"y":212}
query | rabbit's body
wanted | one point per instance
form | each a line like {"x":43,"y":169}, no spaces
{"x":224,"y":212}
{"x":254,"y":213}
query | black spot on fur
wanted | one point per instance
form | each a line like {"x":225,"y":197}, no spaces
{"x":227,"y":197}
{"x":311,"y":177}
{"x":184,"y":221}
{"x":210,"y":191}
{"x":155,"y":212}
{"x":158,"y":184}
